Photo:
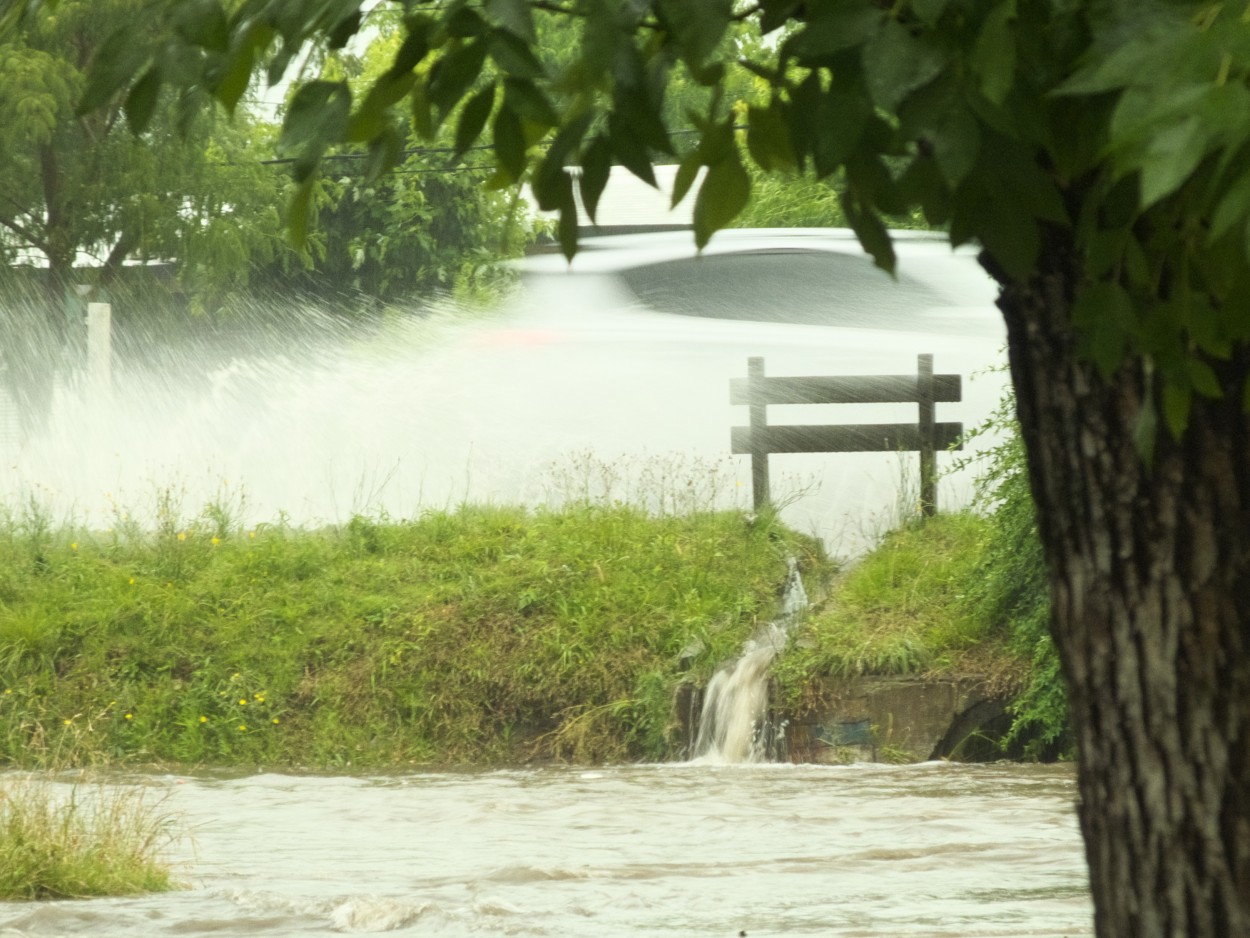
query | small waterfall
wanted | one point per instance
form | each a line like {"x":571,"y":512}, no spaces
{"x":733,"y":724}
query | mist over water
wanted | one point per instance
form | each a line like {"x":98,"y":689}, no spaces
{"x":580,"y":385}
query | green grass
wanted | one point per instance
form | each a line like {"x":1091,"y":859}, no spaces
{"x":74,"y":841}
{"x":485,"y":635}
{"x":905,"y":608}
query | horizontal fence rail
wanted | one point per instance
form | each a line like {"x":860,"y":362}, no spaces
{"x":926,"y":436}
{"x":856,"y":389}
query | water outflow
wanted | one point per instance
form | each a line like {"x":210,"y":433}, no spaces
{"x":733,"y":723}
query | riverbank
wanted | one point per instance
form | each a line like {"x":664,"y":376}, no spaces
{"x":484,"y":635}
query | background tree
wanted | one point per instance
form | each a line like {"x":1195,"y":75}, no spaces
{"x":81,"y":190}
{"x":1099,"y":151}
{"x":426,"y":224}
{"x":74,"y":184}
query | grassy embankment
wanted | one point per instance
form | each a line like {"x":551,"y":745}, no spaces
{"x":911,"y":606}
{"x":960,"y":593}
{"x":479,"y":636}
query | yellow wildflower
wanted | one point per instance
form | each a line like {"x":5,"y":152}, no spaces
{"x":67,"y":722}
{"x":242,"y":727}
{"x":215,"y":541}
{"x":276,"y":721}
{"x":242,"y":701}
{"x":182,"y":535}
{"x":260,"y":697}
{"x":130,"y":716}
{"x":73,"y":546}
{"x":203,"y":719}
{"x":132,"y":581}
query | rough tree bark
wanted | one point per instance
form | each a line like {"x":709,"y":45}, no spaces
{"x":1150,"y":578}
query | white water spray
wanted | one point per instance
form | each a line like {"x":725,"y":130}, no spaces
{"x":733,"y":725}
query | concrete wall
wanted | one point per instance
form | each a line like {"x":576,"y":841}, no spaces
{"x":903,"y":719}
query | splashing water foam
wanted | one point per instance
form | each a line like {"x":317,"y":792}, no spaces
{"x":734,"y":724}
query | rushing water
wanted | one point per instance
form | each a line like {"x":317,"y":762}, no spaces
{"x":690,"y":850}
{"x":733,"y":723}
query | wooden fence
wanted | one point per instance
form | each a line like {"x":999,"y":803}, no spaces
{"x":926,"y":436}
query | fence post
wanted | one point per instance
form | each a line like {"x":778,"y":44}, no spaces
{"x":928,"y":456}
{"x":759,"y":423}
{"x":100,"y":349}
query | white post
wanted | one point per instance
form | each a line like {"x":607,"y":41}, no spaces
{"x":100,"y":349}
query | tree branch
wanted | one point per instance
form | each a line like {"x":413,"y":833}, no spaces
{"x":31,"y":238}
{"x":112,"y":263}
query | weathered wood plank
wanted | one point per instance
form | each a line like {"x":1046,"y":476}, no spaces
{"x":847,"y":438}
{"x":852,"y":389}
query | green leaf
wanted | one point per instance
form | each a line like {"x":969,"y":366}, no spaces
{"x":370,"y":116}
{"x":956,"y":145}
{"x":416,"y":44}
{"x":629,"y":150}
{"x":896,"y":63}
{"x":141,"y":102}
{"x":422,"y":117}
{"x":386,"y":150}
{"x":1151,"y":41}
{"x":639,"y":115}
{"x":464,"y":22}
{"x":298,"y":211}
{"x":768,"y":138}
{"x":316,"y":118}
{"x":596,"y":167}
{"x":1104,"y":315}
{"x":994,"y":52}
{"x":697,"y":25}
{"x":529,"y":103}
{"x":509,"y":143}
{"x":117,"y":60}
{"x":929,"y":11}
{"x":831,"y":28}
{"x":687,"y":172}
{"x":566,"y":228}
{"x":514,"y":55}
{"x":230,"y":82}
{"x":872,"y":233}
{"x":1203,"y":379}
{"x":922,"y":184}
{"x":514,"y":16}
{"x":552,"y":184}
{"x":1171,"y":157}
{"x":1177,"y":402}
{"x":453,"y":75}
{"x":202,"y":23}
{"x":725,"y":192}
{"x":828,"y":125}
{"x":1233,"y":208}
{"x":776,"y":13}
{"x":341,"y":33}
{"x":473,"y":118}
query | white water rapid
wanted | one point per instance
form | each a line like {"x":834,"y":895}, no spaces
{"x":734,"y":724}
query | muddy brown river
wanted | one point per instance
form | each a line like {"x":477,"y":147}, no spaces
{"x":683,"y":850}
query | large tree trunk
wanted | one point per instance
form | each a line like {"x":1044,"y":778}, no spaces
{"x":1150,"y":577}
